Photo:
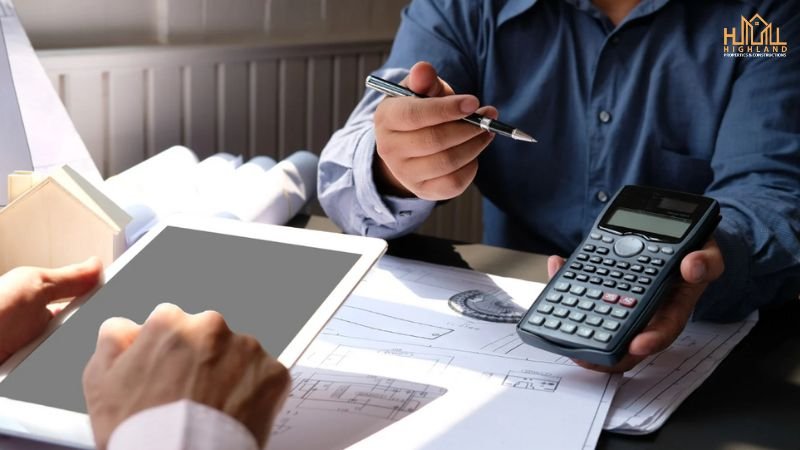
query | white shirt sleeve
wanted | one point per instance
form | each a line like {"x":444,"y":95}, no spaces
{"x":182,"y":425}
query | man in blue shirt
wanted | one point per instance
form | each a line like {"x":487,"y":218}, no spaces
{"x":617,"y":92}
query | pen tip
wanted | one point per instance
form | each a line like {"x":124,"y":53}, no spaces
{"x":522,"y":136}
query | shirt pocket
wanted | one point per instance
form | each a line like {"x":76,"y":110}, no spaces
{"x":679,"y":170}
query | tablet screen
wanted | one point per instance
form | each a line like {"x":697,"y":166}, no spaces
{"x":265,"y":289}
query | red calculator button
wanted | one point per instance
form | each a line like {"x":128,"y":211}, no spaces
{"x":630,"y":302}
{"x":610,"y":298}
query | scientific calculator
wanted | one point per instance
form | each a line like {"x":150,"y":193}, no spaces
{"x":609,"y":288}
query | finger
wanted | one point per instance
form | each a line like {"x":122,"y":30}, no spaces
{"x":113,"y":338}
{"x":703,"y":266}
{"x":445,"y":162}
{"x":69,"y":281}
{"x":431,"y":140}
{"x":554,"y":264}
{"x":423,"y":79}
{"x":666,"y":325}
{"x":448,"y":186}
{"x":411,"y":113}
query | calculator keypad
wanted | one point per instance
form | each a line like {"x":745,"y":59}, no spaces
{"x":600,"y":290}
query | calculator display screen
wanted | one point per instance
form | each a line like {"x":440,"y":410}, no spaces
{"x":649,"y":222}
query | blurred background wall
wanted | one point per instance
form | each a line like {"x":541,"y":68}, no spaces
{"x":250,"y":77}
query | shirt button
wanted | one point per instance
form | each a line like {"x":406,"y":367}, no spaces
{"x":377,"y":209}
{"x":615,"y":40}
{"x":404,"y":213}
{"x":604,"y":116}
{"x":602,"y":196}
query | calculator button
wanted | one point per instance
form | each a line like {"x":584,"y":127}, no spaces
{"x":576,"y":266}
{"x":589,"y":269}
{"x":602,"y":336}
{"x":629,"y":246}
{"x":619,"y":314}
{"x":577,"y":316}
{"x":608,"y":297}
{"x":602,"y":250}
{"x":608,"y":239}
{"x":595,"y":236}
{"x":637,"y":290}
{"x":577,"y":290}
{"x":637,"y":268}
{"x":582,"y":277}
{"x":611,"y":325}
{"x":582,"y":257}
{"x":595,"y":259}
{"x":545,"y":308}
{"x":623,"y":265}
{"x":594,"y":293}
{"x":595,"y":280}
{"x":586,"y":304}
{"x":644,"y":280}
{"x":609,"y":262}
{"x":562,"y":287}
{"x":594,"y":321}
{"x":585,"y":332}
{"x":552,"y":323}
{"x":602,"y":309}
{"x":650,"y":271}
{"x":602,"y":271}
{"x":561,"y":312}
{"x":643,"y":259}
{"x":568,"y":328}
{"x":609,"y":283}
{"x":652,"y":248}
{"x":623,"y":286}
{"x":553,"y":297}
{"x":570,"y":301}
{"x":616,"y":274}
{"x":667,"y":250}
{"x":569,"y":275}
{"x":536,"y":320}
{"x":588,"y":248}
{"x":630,"y":277}
{"x":658,"y":262}
{"x":628,"y":302}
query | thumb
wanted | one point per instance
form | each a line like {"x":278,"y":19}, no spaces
{"x":69,"y":281}
{"x":113,"y":338}
{"x":554,"y":264}
{"x":424,"y":80}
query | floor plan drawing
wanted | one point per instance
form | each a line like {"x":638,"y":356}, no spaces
{"x":394,"y":325}
{"x":531,"y":380}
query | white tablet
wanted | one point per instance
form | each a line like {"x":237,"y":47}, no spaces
{"x":279,"y":284}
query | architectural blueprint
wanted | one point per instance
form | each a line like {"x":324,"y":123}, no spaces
{"x":651,"y":391}
{"x":397,"y":367}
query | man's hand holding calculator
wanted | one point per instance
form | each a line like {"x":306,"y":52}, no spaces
{"x":698,"y":269}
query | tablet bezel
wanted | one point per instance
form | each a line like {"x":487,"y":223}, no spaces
{"x":72,"y":428}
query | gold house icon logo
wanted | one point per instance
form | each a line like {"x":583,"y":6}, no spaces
{"x":756,"y":37}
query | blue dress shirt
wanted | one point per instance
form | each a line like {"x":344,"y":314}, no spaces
{"x":651,"y":101}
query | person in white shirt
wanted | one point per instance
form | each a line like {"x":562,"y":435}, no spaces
{"x":179,"y":381}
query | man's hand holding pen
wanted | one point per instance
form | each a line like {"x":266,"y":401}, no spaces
{"x":423,"y":149}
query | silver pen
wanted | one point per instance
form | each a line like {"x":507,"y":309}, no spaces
{"x":488,"y":124}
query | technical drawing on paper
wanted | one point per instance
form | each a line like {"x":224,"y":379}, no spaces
{"x":429,"y":362}
{"x":531,"y":380}
{"x":354,"y":394}
{"x":389,"y":324}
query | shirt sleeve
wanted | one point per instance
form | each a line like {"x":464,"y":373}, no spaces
{"x":437,"y":31}
{"x":181,"y":425}
{"x":756,"y":167}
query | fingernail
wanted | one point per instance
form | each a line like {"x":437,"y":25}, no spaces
{"x":698,"y":272}
{"x":469,"y":105}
